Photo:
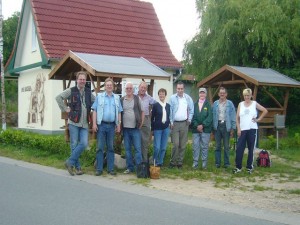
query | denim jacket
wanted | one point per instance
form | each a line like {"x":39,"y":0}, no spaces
{"x":98,"y":106}
{"x":174,"y":106}
{"x":230,"y":115}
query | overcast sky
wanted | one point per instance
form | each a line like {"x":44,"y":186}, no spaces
{"x":178,"y":18}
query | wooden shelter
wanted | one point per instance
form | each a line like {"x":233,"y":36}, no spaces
{"x":100,"y":67}
{"x":259,"y":80}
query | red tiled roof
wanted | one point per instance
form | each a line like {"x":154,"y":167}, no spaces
{"x":108,"y":27}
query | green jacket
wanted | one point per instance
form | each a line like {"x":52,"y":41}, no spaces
{"x":204,"y":117}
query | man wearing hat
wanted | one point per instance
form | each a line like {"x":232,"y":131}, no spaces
{"x":224,"y":122}
{"x":201,"y":129}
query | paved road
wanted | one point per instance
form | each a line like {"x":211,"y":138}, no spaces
{"x":36,"y":195}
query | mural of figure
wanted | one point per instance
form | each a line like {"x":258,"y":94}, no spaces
{"x":37,"y":101}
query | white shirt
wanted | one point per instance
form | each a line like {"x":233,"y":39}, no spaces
{"x":181,"y":113}
{"x":246,"y":116}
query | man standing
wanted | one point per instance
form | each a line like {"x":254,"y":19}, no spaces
{"x":224,"y":123}
{"x":182,"y":111}
{"x":80,"y":100}
{"x":106,"y":119}
{"x":147,"y":100}
{"x":132,"y":117}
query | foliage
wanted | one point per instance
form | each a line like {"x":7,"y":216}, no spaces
{"x":53,"y":144}
{"x":257,"y":33}
{"x":10,"y":26}
{"x":253,"y":33}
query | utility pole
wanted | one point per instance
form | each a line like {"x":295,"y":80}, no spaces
{"x":2,"y":72}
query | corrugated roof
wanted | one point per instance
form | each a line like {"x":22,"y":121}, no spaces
{"x":121,"y":65}
{"x":266,"y":75}
{"x":106,"y":27}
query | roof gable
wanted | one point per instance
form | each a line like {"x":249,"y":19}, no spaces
{"x":108,"y":27}
{"x":107,"y":65}
{"x":234,"y":75}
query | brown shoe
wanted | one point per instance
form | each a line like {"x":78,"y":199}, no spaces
{"x":69,"y":168}
{"x":79,"y":172}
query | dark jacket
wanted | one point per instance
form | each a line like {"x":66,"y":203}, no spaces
{"x":156,"y":116}
{"x":75,"y":104}
{"x":204,"y":117}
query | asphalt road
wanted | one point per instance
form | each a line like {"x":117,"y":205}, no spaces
{"x":31,"y":194}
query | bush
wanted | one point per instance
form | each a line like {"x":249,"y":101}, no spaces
{"x":52,"y":144}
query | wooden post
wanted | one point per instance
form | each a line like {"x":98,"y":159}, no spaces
{"x":286,"y":100}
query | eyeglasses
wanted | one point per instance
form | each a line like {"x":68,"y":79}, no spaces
{"x":128,"y":88}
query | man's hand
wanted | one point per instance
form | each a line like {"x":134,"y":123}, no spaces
{"x":200,"y":128}
{"x":95,"y":127}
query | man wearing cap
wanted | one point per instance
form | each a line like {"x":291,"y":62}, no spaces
{"x":182,"y":110}
{"x":224,"y":122}
{"x":201,"y":129}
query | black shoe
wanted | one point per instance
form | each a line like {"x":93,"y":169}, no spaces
{"x":98,"y":173}
{"x":113,"y":173}
{"x":79,"y":172}
{"x":217,"y":166}
{"x":69,"y":168}
{"x":179,"y":167}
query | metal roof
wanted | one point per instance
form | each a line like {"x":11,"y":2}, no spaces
{"x":266,"y":75}
{"x":122,"y":65}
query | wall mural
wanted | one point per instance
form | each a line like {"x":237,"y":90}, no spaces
{"x":37,"y":101}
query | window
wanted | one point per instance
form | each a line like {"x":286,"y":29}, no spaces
{"x":34,"y":42}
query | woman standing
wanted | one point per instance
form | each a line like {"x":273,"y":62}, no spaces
{"x":201,"y":129}
{"x":160,"y":121}
{"x":246,"y":123}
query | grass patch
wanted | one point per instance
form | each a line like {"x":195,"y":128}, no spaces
{"x":294,"y":191}
{"x":260,"y":188}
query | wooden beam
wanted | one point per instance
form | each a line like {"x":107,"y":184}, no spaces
{"x":98,"y":85}
{"x":286,"y":100}
{"x":274,"y":99}
{"x":255,"y":92}
{"x":210,"y":96}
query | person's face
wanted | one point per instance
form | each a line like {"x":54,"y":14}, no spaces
{"x":222,"y":94}
{"x":180,"y":89}
{"x":142,"y":89}
{"x":162,"y":96}
{"x":247,"y":97}
{"x":109,"y":86}
{"x":129,"y":89}
{"x":81,"y":81}
{"x":202,"y":95}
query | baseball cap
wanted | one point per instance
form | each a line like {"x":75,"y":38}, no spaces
{"x":202,"y":90}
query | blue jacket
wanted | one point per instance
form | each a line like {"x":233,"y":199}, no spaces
{"x":230,"y":115}
{"x":174,"y":107}
{"x":98,"y":106}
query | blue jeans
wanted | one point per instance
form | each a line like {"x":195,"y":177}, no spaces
{"x":132,"y":136}
{"x":78,"y":142}
{"x":200,"y":142}
{"x":160,"y":145}
{"x":222,"y":133}
{"x":105,"y":136}
{"x":249,"y":137}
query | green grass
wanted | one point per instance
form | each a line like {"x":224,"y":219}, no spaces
{"x":282,"y":170}
{"x":294,"y":191}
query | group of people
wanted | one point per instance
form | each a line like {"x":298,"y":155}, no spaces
{"x":140,"y":115}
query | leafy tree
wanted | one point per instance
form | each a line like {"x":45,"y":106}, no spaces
{"x":257,"y":33}
{"x":253,"y":33}
{"x":10,"y":26}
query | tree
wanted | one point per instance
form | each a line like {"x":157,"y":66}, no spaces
{"x":253,"y":33}
{"x":10,"y":26}
{"x":258,"y":33}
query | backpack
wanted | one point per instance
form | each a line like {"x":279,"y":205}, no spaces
{"x":263,"y":159}
{"x":142,"y":170}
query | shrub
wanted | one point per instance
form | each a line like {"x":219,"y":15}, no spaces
{"x":54,"y":144}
